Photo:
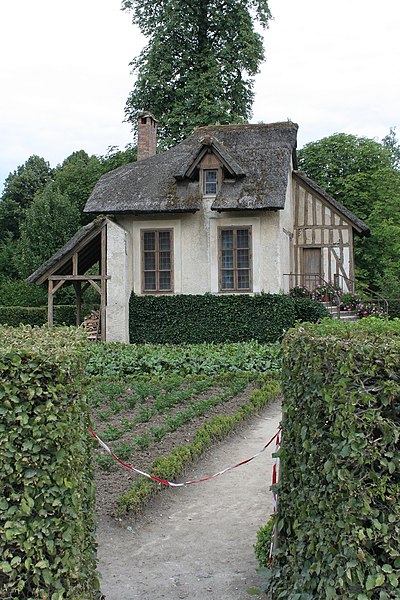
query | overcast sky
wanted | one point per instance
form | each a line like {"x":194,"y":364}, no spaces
{"x":65,"y":75}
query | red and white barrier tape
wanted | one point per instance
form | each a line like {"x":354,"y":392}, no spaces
{"x":170,"y":483}
{"x":275,"y":476}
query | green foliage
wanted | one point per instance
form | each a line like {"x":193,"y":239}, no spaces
{"x":364,"y":175}
{"x":47,"y":547}
{"x":170,"y":467}
{"x":50,"y":221}
{"x":19,"y":190}
{"x":263,"y":544}
{"x":75,"y":178}
{"x":230,"y":318}
{"x":37,"y":315}
{"x":309,"y":311}
{"x":394,"y":308}
{"x":119,"y":360}
{"x":198,"y":65}
{"x":15,"y":292}
{"x":339,"y":493}
{"x":115,"y":157}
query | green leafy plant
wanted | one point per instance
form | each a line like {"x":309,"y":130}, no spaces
{"x":211,"y":319}
{"x":47,"y":547}
{"x":339,"y":495}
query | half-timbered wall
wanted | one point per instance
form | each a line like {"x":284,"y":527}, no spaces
{"x":318,"y":226}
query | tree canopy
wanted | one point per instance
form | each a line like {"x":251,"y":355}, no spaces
{"x":364,"y":175}
{"x":198,"y":65}
{"x":19,"y":190}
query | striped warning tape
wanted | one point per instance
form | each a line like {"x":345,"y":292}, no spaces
{"x":176,"y":485}
{"x":275,"y":476}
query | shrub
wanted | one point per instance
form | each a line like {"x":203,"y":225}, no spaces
{"x":194,"y":319}
{"x":339,"y":494}
{"x":47,"y":545}
{"x":19,"y":293}
{"x":37,"y":315}
{"x":309,"y":310}
{"x":394,"y":308}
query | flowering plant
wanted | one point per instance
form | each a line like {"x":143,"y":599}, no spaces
{"x":300,"y":291}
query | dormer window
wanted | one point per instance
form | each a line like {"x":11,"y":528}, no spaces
{"x":210,"y":181}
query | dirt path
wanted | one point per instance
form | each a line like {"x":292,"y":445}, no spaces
{"x":196,"y":542}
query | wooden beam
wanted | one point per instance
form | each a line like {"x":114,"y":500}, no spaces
{"x":75,"y":264}
{"x":57,"y":286}
{"x":78,"y":291}
{"x":50,"y":304}
{"x":96,"y":287}
{"x":78,"y":277}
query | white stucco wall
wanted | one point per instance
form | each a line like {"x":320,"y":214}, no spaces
{"x":195,"y":248}
{"x":119,"y":285}
{"x":286,"y":221}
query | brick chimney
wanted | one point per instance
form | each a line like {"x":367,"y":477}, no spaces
{"x":147,"y":135}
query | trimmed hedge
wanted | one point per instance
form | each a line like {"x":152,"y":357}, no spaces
{"x":47,"y":547}
{"x":394,"y":308}
{"x":191,"y":319}
{"x":339,"y":494}
{"x":37,"y":315}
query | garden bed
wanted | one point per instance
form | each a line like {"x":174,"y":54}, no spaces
{"x":149,"y":419}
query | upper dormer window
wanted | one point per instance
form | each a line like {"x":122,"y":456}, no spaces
{"x":210,"y":181}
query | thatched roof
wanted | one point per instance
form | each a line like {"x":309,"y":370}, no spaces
{"x":361,"y":227}
{"x":258,"y":156}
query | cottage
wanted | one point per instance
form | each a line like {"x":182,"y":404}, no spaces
{"x":225,"y":212}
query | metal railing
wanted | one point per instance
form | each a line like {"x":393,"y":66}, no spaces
{"x":313,"y":286}
{"x":312,"y":282}
{"x":365,"y":293}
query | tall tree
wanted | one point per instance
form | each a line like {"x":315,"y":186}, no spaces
{"x":198,"y":65}
{"x":364,"y":175}
{"x":19,"y":190}
{"x":51,"y":220}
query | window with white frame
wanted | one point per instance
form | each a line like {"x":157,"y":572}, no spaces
{"x":210,"y":182}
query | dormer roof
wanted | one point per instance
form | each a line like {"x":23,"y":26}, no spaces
{"x":206,"y":144}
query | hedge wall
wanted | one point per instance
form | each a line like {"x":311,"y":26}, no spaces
{"x":339,"y":495}
{"x":47,"y":547}
{"x":394,"y":308}
{"x":232,"y":318}
{"x":37,"y":315}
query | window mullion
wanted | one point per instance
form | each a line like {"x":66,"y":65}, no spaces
{"x":157,"y":260}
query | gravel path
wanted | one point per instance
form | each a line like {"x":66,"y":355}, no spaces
{"x":196,"y":542}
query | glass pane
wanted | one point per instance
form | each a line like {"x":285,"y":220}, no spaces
{"x":227,"y":259}
{"x":243,"y":259}
{"x":149,"y":280}
{"x":227,"y":280}
{"x":165,"y":261}
{"x":242,"y":238}
{"x":210,"y":182}
{"x":243,"y":279}
{"x":149,"y":240}
{"x":164,"y":240}
{"x":226,"y":239}
{"x":165,"y":280}
{"x":149,"y":261}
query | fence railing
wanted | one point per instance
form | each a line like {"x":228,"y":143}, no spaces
{"x":314,"y":283}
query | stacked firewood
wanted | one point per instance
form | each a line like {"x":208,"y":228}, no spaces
{"x":91,"y":323}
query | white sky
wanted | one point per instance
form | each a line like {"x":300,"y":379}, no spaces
{"x":65,"y":75}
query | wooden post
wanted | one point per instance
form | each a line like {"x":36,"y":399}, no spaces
{"x":50,"y":304}
{"x":78,"y":291}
